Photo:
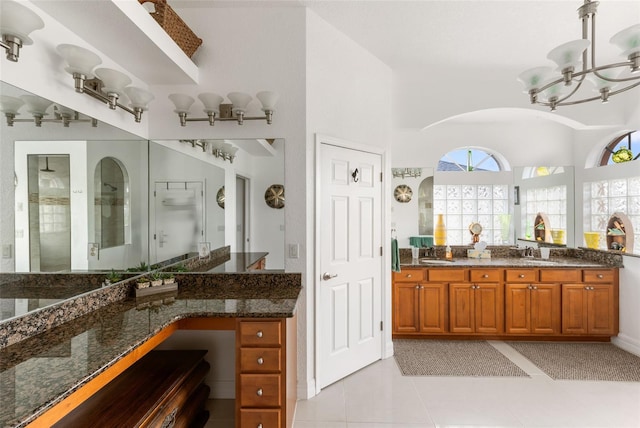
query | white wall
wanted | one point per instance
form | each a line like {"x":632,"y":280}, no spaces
{"x":348,"y":97}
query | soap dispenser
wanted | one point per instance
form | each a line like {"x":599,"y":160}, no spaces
{"x":447,"y":254}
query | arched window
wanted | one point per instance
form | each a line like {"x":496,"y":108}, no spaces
{"x":622,"y":149}
{"x":469,"y":159}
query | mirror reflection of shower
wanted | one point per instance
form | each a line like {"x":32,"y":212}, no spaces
{"x":49,"y":212}
{"x":111,"y":203}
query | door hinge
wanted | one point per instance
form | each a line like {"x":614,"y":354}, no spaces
{"x":154,"y":193}
{"x":154,"y":236}
{"x":381,"y":326}
{"x":381,"y":251}
{"x":380,"y":177}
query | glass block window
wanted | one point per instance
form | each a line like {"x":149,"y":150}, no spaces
{"x":463,"y":204}
{"x":548,"y":200}
{"x":603,"y":198}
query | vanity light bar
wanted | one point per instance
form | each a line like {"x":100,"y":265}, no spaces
{"x":216,"y":111}
{"x":219,"y":149}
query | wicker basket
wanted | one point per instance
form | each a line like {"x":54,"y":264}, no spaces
{"x":175,"y":26}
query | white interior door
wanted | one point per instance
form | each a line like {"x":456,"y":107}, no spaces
{"x":350,"y":309}
{"x":179,"y":215}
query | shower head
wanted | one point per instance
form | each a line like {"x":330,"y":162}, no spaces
{"x":46,"y":168}
{"x":113,"y":188}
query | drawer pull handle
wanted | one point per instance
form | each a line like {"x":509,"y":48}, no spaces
{"x":521,"y":275}
{"x":485,"y":276}
{"x":170,"y":420}
{"x":600,"y":276}
{"x":408,"y":275}
{"x":259,"y":333}
{"x":259,"y":392}
{"x":260,"y":360}
{"x":259,"y":426}
{"x":535,"y":287}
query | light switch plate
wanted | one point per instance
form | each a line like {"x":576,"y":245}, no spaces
{"x":294,"y":251}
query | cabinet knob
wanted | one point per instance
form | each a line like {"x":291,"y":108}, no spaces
{"x":259,"y":333}
{"x":600,"y":276}
{"x":417,"y":287}
{"x":535,"y":287}
{"x":485,"y":276}
{"x":521,"y":275}
{"x":408,"y":275}
{"x":259,"y":426}
{"x":259,"y":392}
{"x":260,"y":360}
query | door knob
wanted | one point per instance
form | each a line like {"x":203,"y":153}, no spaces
{"x":327,"y":276}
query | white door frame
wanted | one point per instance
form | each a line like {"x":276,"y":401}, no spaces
{"x":387,"y":344}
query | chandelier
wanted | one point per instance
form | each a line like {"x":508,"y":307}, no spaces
{"x":552,"y":90}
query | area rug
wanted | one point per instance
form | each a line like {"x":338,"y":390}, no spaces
{"x":581,"y":361}
{"x":476,"y":358}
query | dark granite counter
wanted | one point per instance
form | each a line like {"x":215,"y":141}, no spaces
{"x":238,"y":262}
{"x":522,"y":262}
{"x":40,"y":371}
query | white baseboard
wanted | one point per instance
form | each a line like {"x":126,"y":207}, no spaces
{"x":388,"y":350}
{"x":627,"y":343}
{"x":306,"y":390}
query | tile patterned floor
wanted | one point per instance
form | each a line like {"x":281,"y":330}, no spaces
{"x":378,"y":396}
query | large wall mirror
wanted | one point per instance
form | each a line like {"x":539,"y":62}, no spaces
{"x":105,"y":199}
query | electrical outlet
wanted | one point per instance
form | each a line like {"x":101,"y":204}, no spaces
{"x":94,"y":250}
{"x":294,"y":250}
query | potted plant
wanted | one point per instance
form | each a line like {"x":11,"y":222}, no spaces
{"x":143,"y":282}
{"x":112,"y":277}
{"x":168,"y":278}
{"x":180,"y":268}
{"x":156,"y":279}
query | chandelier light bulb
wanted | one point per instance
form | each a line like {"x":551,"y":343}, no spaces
{"x":628,"y":40}
{"x":10,"y":105}
{"x":569,"y":54}
{"x":139,"y":97}
{"x":37,"y":106}
{"x":268,"y":100}
{"x":240,"y":100}
{"x":182,"y":102}
{"x":79,"y":60}
{"x":114,"y":81}
{"x":211,"y":102}
{"x":17,"y":22}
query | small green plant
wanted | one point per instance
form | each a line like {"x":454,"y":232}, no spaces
{"x":155,"y":276}
{"x":143,"y":281}
{"x":180,"y":268}
{"x":168,"y":278}
{"x":142,"y":267}
{"x":113,"y":277}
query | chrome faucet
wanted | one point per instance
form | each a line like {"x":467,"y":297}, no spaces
{"x":430,"y":252}
{"x":528,"y":252}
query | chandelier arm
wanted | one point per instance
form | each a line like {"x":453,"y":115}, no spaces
{"x":584,"y":100}
{"x":570,"y":94}
{"x":626,"y":88}
{"x":611,"y":79}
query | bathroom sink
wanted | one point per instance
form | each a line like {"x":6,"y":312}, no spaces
{"x":538,"y":262}
{"x":436,"y":261}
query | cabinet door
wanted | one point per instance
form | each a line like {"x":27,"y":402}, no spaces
{"x":461,"y":308}
{"x":405,"y":307}
{"x":518,"y":304}
{"x":545,"y":308}
{"x":574,"y":309}
{"x":600,"y":309}
{"x":433,"y":308}
{"x":489,"y":308}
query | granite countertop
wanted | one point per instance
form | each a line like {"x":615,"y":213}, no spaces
{"x":38,"y":372}
{"x":508,"y":262}
{"x":238,"y":262}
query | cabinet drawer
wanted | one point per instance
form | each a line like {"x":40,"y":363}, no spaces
{"x":256,"y":418}
{"x":601,"y":275}
{"x":260,"y":390}
{"x":446,"y":275}
{"x":485,"y":275}
{"x":521,"y":275}
{"x":260,"y":333}
{"x":409,"y":275}
{"x":560,"y":275}
{"x":260,"y":359}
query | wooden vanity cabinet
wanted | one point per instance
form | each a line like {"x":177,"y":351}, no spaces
{"x":477,"y":306}
{"x":261,"y":382}
{"x":420,"y":307}
{"x":531,"y":307}
{"x":591,"y":307}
